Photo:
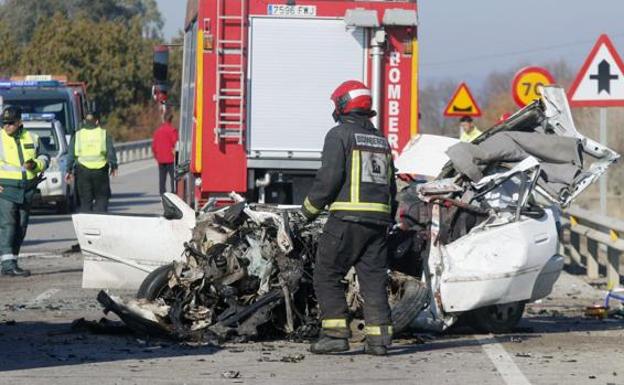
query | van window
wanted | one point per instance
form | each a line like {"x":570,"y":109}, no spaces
{"x":60,"y":109}
{"x":47,"y":137}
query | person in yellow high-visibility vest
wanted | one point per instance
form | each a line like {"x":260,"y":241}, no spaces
{"x":467,"y":130}
{"x":91,"y":160}
{"x":20,"y":164}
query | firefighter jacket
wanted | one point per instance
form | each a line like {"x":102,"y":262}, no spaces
{"x":15,"y":151}
{"x":92,"y":148}
{"x":356,"y":180}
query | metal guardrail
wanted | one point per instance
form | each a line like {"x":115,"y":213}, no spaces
{"x":592,"y":240}
{"x":132,"y":151}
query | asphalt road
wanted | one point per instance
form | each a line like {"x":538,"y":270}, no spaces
{"x":135,"y":190}
{"x":554,"y":344}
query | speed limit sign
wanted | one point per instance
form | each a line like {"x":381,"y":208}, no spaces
{"x":527,"y":82}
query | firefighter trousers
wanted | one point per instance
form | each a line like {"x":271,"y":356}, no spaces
{"x":344,"y":245}
{"x":93,"y":189}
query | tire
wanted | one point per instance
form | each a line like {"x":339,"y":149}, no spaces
{"x":414,"y":299}
{"x":496,"y":318}
{"x":155,"y":284}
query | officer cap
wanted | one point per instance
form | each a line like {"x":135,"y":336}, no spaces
{"x":11,"y":114}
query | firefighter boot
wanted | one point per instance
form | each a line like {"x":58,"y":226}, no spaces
{"x":375,"y":350}
{"x":378,"y":338}
{"x":11,"y":269}
{"x":334,"y":337}
{"x":327,"y":345}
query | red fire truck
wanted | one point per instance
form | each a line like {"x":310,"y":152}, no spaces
{"x":257,"y":76}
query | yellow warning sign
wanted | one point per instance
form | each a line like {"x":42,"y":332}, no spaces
{"x":462,"y":103}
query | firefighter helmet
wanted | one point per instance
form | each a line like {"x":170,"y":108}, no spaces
{"x":351,"y":96}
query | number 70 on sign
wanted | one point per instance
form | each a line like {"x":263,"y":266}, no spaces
{"x":526,"y":84}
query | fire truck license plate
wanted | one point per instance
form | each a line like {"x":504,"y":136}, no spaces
{"x":292,"y":10}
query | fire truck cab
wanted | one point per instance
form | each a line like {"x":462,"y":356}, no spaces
{"x":257,"y":76}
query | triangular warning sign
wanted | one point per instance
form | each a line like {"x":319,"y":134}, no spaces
{"x":600,"y":82}
{"x":462,"y":103}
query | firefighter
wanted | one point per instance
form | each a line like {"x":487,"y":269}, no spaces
{"x":468,"y":130}
{"x":356,"y":181}
{"x":20,"y":164}
{"x":91,"y":159}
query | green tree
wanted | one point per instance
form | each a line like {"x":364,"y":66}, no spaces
{"x":23,"y":16}
{"x":114,"y":60}
{"x":9,"y":52}
{"x":176,"y":54}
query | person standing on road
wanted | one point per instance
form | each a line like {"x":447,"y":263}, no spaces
{"x":467,"y":129}
{"x":356,"y":180}
{"x":163,"y":147}
{"x":20,"y":163}
{"x":91,"y":159}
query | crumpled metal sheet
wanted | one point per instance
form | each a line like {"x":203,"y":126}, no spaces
{"x":242,"y":269}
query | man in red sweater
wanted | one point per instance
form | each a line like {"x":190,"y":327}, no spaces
{"x":163,"y":146}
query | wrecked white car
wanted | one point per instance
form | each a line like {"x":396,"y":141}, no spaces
{"x":478,"y":241}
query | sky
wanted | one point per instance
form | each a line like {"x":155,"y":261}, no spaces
{"x":466,"y":40}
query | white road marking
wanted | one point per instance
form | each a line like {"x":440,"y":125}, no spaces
{"x":43,"y":296}
{"x":502,"y":361}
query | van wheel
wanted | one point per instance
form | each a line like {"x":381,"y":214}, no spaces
{"x":155,"y":285}
{"x":501,"y":318}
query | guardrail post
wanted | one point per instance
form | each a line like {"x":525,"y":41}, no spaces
{"x":592,"y":254}
{"x":575,"y":247}
{"x":613,"y":267}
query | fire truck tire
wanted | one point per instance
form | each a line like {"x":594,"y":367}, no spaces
{"x":155,"y":284}
{"x":414,"y":299}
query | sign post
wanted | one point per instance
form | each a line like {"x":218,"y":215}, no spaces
{"x":604,"y":138}
{"x":600,"y":83}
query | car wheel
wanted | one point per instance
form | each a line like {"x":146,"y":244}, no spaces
{"x":501,"y":318}
{"x":155,"y":285}
{"x":414,"y":298}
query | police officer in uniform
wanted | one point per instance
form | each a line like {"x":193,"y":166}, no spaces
{"x":20,"y":164}
{"x":356,"y":181}
{"x":91,"y":159}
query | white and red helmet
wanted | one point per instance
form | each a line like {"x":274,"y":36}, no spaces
{"x":350,"y":96}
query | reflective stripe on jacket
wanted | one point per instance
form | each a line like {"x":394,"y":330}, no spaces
{"x":356,"y":179}
{"x":15,"y":151}
{"x":91,"y":148}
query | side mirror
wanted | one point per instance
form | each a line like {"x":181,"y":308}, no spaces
{"x":161,"y":73}
{"x":161,"y":64}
